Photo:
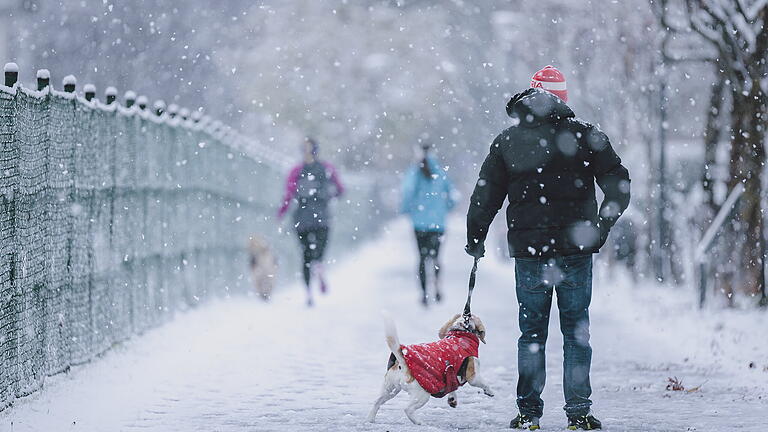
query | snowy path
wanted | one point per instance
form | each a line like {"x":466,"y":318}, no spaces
{"x":241,"y":365}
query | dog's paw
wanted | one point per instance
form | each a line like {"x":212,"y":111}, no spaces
{"x":415,"y":420}
{"x":489,"y":393}
{"x":452,"y":402}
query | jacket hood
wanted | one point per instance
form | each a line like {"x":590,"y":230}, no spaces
{"x":535,"y":107}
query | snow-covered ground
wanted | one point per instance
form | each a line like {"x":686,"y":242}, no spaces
{"x":241,"y":365}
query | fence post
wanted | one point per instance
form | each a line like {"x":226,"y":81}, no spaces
{"x":159,"y":107}
{"x":11,"y":74}
{"x":173,"y":110}
{"x":142,"y":101}
{"x":130,"y":98}
{"x":43,"y":79}
{"x":110,"y":94}
{"x":69,"y":82}
{"x":184,"y":114}
{"x":90,"y":92}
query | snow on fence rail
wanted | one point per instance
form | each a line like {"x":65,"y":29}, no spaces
{"x":112,"y":218}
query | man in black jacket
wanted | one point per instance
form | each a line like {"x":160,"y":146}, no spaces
{"x":546,"y":164}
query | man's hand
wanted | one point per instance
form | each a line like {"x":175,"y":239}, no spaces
{"x":475,"y":249}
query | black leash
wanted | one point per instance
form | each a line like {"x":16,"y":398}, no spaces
{"x":472,"y":277}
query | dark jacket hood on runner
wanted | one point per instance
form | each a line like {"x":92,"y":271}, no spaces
{"x":535,"y":107}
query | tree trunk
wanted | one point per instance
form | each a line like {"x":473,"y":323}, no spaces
{"x":746,"y":166}
{"x":712,"y":135}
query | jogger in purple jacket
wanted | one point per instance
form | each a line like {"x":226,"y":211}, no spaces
{"x":311,"y":185}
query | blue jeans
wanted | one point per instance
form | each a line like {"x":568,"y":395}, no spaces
{"x":536,"y":278}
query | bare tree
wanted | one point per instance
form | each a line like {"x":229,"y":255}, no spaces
{"x":737,"y":30}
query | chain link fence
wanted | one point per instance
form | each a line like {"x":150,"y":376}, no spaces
{"x":112,"y":219}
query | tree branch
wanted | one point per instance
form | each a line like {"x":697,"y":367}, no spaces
{"x":756,"y":9}
{"x":740,"y":7}
{"x":660,"y":8}
{"x":699,"y":27}
{"x":726,"y":24}
{"x":717,"y":32}
{"x":761,"y":42}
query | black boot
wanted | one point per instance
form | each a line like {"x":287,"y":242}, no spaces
{"x":523,"y":421}
{"x":587,"y":422}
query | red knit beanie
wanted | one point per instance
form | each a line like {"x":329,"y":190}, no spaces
{"x":551,"y":80}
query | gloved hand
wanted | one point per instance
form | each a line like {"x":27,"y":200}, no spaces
{"x":475,"y":249}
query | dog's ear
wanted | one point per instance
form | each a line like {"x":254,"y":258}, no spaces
{"x":479,"y":328}
{"x":481,"y":335}
{"x":444,"y":329}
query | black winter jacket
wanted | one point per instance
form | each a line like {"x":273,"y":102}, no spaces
{"x":546,"y":164}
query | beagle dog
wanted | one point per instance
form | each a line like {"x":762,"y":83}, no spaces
{"x":433,"y":369}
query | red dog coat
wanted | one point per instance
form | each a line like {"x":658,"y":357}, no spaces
{"x":435,"y":365}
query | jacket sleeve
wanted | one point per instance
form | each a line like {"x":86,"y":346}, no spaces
{"x":611,"y":176}
{"x":407,"y":191}
{"x":488,"y":196}
{"x":449,"y":194}
{"x":291,"y":183}
{"x":333,"y":175}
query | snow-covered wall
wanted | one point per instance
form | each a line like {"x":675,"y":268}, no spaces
{"x":113,"y":218}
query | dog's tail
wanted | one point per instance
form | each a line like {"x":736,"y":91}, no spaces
{"x":393,"y":341}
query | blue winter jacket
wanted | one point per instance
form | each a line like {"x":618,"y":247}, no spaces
{"x":427,"y":201}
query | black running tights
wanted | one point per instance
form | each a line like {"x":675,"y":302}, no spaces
{"x":429,"y":248}
{"x":313,"y":244}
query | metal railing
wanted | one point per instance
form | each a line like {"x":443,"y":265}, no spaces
{"x":113,"y":216}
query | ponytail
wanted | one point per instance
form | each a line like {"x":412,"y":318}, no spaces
{"x":426,"y":171}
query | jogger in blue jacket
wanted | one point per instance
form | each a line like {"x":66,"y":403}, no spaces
{"x":427,"y":199}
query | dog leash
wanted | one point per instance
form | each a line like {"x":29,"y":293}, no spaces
{"x":472,"y":277}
